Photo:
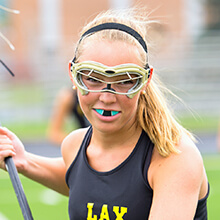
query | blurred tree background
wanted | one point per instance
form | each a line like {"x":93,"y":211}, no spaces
{"x":184,"y":50}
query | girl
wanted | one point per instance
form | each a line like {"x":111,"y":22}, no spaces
{"x":135,"y":161}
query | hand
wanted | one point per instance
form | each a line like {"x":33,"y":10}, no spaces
{"x":10,"y":145}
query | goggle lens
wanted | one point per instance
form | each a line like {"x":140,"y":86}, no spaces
{"x":95,"y":81}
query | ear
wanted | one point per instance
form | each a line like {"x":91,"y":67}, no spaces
{"x":70,"y":72}
{"x":150,"y":76}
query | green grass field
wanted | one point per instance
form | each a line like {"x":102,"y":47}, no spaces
{"x":46,"y":204}
{"x":212,"y":165}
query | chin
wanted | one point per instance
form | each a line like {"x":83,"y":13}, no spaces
{"x":107,"y":128}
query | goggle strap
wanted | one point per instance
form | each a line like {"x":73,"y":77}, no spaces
{"x":116,"y":26}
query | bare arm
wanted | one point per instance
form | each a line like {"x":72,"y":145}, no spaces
{"x":178,"y":182}
{"x":50,"y":172}
{"x":47,"y":171}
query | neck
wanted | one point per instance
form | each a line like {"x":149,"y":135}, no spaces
{"x":106,"y":151}
{"x":125,"y":136}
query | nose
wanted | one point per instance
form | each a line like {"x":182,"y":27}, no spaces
{"x":107,"y":97}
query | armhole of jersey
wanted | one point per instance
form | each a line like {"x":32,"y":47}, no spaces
{"x":87,"y":135}
{"x":147,"y":164}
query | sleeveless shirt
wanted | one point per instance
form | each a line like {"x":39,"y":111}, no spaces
{"x":122,"y":193}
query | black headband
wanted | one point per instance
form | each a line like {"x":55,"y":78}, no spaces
{"x":115,"y":26}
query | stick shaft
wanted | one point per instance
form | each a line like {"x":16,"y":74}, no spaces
{"x":10,"y":166}
{"x":7,"y":68}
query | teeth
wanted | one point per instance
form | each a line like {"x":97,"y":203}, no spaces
{"x":106,"y":113}
{"x":114,"y":113}
{"x":100,"y":111}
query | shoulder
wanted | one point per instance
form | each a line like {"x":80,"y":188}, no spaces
{"x":71,"y":144}
{"x":185,"y":168}
{"x":178,"y":181}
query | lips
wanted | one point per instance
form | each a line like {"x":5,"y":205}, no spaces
{"x":106,"y":113}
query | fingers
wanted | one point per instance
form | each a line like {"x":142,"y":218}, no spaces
{"x":6,"y":145}
{"x":7,"y":152}
{"x":4,"y":139}
{"x":5,"y":131}
{"x":6,"y":149}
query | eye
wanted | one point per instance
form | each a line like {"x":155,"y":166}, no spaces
{"x":92,"y":80}
{"x":127,"y":82}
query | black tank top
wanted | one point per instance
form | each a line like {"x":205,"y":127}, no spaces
{"x":122,"y":193}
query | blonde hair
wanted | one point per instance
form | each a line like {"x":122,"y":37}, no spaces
{"x":153,"y":113}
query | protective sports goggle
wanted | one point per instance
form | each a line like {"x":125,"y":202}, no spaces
{"x":125,"y":79}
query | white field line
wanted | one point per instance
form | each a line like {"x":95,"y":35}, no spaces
{"x":50,"y":197}
{"x":3,"y":217}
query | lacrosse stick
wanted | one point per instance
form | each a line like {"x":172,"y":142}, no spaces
{"x":16,"y":182}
